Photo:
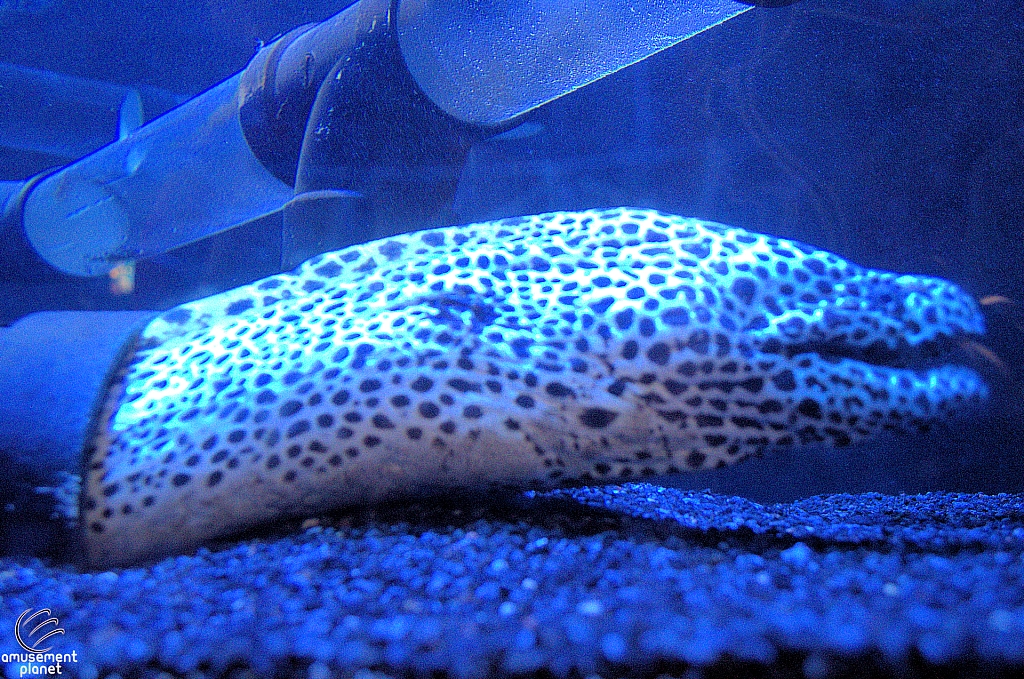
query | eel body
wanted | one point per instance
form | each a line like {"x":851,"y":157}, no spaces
{"x":531,"y":352}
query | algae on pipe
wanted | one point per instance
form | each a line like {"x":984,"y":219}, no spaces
{"x":487,"y":62}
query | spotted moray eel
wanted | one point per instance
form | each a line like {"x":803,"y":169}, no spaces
{"x":567,"y":347}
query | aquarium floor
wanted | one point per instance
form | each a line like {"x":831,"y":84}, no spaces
{"x":632,"y":580}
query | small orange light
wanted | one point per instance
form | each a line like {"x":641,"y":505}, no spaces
{"x":122,"y":278}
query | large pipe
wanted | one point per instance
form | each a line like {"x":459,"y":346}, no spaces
{"x":230,"y":155}
{"x":488,"y":62}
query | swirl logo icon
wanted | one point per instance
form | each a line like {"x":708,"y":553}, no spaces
{"x":33,"y":629}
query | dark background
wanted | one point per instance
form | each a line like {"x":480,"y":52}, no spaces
{"x":888,"y":132}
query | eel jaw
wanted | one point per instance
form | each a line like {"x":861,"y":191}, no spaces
{"x":942,"y":350}
{"x":876,"y":388}
{"x":886,"y":352}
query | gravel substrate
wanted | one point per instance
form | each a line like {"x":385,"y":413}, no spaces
{"x":633,"y":580}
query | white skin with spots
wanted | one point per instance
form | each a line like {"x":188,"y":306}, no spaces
{"x":567,"y":347}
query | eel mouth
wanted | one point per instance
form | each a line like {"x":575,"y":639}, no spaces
{"x":930,"y":379}
{"x":942,"y":350}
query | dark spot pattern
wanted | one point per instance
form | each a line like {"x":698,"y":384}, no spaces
{"x":603,"y":345}
{"x":597,"y":418}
